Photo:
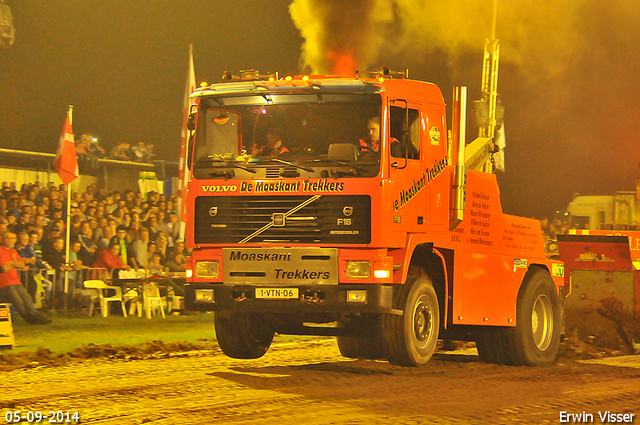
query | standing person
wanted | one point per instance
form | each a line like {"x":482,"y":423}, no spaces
{"x":103,"y":242}
{"x":47,"y":242}
{"x":155,"y":265}
{"x":88,"y":252}
{"x":23,"y":223}
{"x":176,"y":263}
{"x":162,"y":226}
{"x":35,"y":236}
{"x":76,"y":263}
{"x":29,"y":258}
{"x":11,"y":223}
{"x":121,"y":239}
{"x":132,"y":231}
{"x":174,"y":227}
{"x":56,"y":258}
{"x":33,"y":250}
{"x":162,"y":243}
{"x":110,"y":259}
{"x":140,"y":247}
{"x":151,"y":224}
{"x":11,"y":289}
{"x":140,"y":152}
{"x":178,"y":248}
{"x":98,"y":231}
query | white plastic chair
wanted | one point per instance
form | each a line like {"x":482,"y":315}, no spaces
{"x":105,"y":300}
{"x":132,"y":297}
{"x":152,"y":299}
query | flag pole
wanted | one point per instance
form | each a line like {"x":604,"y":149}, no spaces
{"x":68,"y":236}
{"x":68,"y":232}
{"x":184,"y":173}
{"x":66,"y":164}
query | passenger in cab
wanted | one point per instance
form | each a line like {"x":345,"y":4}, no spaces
{"x":274,"y":146}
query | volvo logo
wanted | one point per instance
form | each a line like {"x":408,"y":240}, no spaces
{"x":213,"y":211}
{"x":278,"y":219}
{"x":347,"y":211}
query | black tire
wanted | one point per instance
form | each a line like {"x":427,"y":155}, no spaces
{"x":243,"y":335}
{"x":410,"y":339}
{"x":364,"y":341}
{"x":486,"y":347}
{"x":536,"y":338}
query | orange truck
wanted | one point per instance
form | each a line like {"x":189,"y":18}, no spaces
{"x":320,"y":205}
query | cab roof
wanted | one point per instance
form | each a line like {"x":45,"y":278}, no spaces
{"x":319,"y":84}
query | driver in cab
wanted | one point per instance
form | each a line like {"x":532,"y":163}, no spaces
{"x":274,"y":147}
{"x":371,"y":143}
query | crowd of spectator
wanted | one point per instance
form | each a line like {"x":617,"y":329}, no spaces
{"x":140,"y":152}
{"x":110,"y":230}
{"x":88,"y":150}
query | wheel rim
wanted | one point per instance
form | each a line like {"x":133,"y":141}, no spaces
{"x":422,"y":321}
{"x":542,"y":322}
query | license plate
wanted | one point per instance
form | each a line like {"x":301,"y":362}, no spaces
{"x":277,"y":293}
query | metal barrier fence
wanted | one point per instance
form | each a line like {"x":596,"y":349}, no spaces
{"x":47,"y":286}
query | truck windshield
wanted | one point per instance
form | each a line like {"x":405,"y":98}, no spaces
{"x":306,"y":131}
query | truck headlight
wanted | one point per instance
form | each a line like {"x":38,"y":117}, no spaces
{"x":358,"y":269}
{"x":207,"y":269}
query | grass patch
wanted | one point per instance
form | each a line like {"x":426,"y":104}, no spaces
{"x":71,"y":330}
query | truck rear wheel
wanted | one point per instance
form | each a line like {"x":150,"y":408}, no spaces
{"x":410,"y":339}
{"x":243,"y":335}
{"x":365,"y":342}
{"x":487,"y":350}
{"x":536,"y":338}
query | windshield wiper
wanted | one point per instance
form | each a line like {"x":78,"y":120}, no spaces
{"x":291,"y":164}
{"x":226,"y":162}
{"x":335,"y":161}
{"x":226,"y":174}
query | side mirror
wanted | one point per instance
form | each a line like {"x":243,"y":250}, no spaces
{"x":191,"y":121}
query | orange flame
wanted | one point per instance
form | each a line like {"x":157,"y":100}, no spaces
{"x":343,"y":64}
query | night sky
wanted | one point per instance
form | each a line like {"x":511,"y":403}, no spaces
{"x":568,"y":77}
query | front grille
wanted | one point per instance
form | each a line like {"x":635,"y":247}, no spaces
{"x":334,"y":219}
{"x":272,"y":173}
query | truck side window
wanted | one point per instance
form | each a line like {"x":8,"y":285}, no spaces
{"x":404,"y":141}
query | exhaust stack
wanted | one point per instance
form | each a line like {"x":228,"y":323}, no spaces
{"x":459,"y":127}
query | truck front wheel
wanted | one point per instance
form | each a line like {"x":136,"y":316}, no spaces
{"x":364,"y":341}
{"x":243,"y":335}
{"x":410,"y":339}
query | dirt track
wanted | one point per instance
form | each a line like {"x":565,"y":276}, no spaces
{"x":309,"y":382}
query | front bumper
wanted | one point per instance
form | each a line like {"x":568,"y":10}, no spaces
{"x":312,"y":299}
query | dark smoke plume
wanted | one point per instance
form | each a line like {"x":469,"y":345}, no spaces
{"x":340,"y":35}
{"x":568,"y":78}
{"x":533,"y":32}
